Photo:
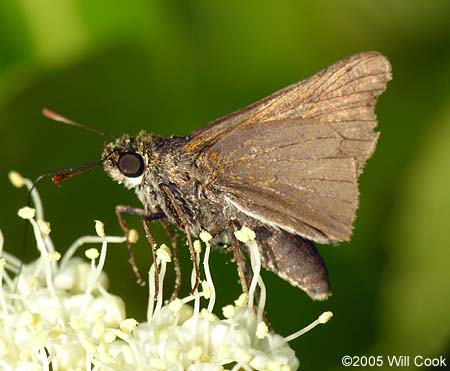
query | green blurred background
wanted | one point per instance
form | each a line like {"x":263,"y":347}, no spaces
{"x":171,"y":66}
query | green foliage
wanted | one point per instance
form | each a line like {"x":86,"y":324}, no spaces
{"x":415,"y":302}
{"x":171,"y":66}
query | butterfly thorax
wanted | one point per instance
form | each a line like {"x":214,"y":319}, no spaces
{"x":170,"y":182}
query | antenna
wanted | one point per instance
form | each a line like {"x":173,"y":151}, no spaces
{"x":64,"y":120}
{"x":62,"y":174}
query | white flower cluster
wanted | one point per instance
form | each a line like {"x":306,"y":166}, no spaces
{"x":56,"y":314}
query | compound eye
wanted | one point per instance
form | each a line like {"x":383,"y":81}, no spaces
{"x":131,"y":164}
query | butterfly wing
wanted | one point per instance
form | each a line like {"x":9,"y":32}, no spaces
{"x":292,"y":160}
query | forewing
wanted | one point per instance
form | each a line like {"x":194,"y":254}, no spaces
{"x":292,"y":159}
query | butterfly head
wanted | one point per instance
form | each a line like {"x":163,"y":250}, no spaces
{"x":127,"y":159}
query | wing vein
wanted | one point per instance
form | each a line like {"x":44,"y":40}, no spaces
{"x":332,"y":77}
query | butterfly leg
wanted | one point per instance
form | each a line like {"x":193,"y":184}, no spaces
{"x":176,"y":260}
{"x":243,"y":273}
{"x":193,"y":258}
{"x":152,"y":243}
{"x":120,"y":211}
{"x":180,"y":216}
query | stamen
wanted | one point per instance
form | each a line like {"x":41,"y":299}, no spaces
{"x":261,"y":330}
{"x":7,"y":279}
{"x":324,"y":317}
{"x":48,"y":269}
{"x":100,"y":228}
{"x":255,"y":261}
{"x":95,"y":274}
{"x":12,"y":263}
{"x":26,"y":212}
{"x":209,"y":280}
{"x":175,"y":305}
{"x":87,"y":240}
{"x":205,"y":236}
{"x":2,"y":294}
{"x":44,"y":227}
{"x":242,"y":300}
{"x":262,"y":299}
{"x":196,"y":300}
{"x":151,"y":293}
{"x":128,"y":325}
{"x":229,"y":311}
{"x":133,"y":236}
{"x":205,"y":290}
{"x":92,"y":254}
{"x":163,"y":255}
{"x":16,"y":179}
{"x":2,"y":241}
{"x":36,"y":199}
